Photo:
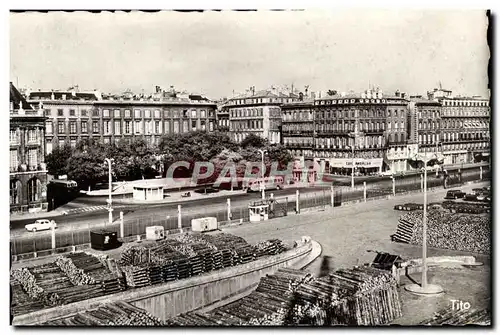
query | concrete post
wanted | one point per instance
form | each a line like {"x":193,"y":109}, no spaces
{"x":332,"y":195}
{"x":179,"y":217}
{"x":263,"y":194}
{"x":393,"y":186}
{"x":480,"y":173}
{"x":122,"y":234}
{"x":53,"y":234}
{"x":297,"y":201}
{"x":364,"y":190}
{"x":228,"y":209}
{"x":421,"y":183}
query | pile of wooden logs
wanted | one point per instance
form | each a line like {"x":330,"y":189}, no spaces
{"x":267,"y":305}
{"x":269,"y":247}
{"x":115,"y":314}
{"x":36,"y":288}
{"x":76,"y":275}
{"x":456,"y":231}
{"x":21,"y":302}
{"x":471,"y":208}
{"x":460,"y":317}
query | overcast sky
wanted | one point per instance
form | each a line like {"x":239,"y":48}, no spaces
{"x":216,"y":52}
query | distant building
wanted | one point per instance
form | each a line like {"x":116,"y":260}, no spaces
{"x":73,"y":116}
{"x":427,"y":125}
{"x":257,"y":113}
{"x":298,"y":128}
{"x":28,"y":173}
{"x":222,"y":118}
{"x":465,"y":127}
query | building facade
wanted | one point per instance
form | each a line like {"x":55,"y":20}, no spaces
{"x":222,"y":118}
{"x":298,"y":128}
{"x":369,"y":124}
{"x":73,"y":116}
{"x":257,"y":113}
{"x":465,"y":127}
{"x":28,"y":173}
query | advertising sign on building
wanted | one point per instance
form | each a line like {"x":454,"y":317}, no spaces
{"x":358,"y":162}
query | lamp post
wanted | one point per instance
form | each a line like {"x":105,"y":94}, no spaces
{"x":355,"y":135}
{"x":425,"y":288}
{"x":262,"y":186}
{"x":262,"y":152}
{"x":110,"y":181}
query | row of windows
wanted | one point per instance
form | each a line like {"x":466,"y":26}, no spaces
{"x":465,"y":103}
{"x":274,"y":137}
{"x":32,"y":136}
{"x":138,"y":113}
{"x":261,"y":100}
{"x":127,"y":127}
{"x":428,"y":125}
{"x":428,"y":138}
{"x":297,"y":115}
{"x":298,"y":127}
{"x":347,"y":154}
{"x":461,"y":112}
{"x":247,"y":112}
{"x":298,"y":141}
{"x":32,"y":158}
{"x":246,"y":124}
{"x":428,"y":114}
{"x":343,"y":142}
{"x":464,"y":136}
{"x":465,"y":146}
{"x":464,"y":124}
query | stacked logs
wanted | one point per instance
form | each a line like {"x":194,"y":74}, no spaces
{"x":115,"y":314}
{"x":21,"y":302}
{"x":471,"y":208}
{"x":30,"y":286}
{"x":267,"y":305}
{"x":76,"y":275}
{"x":460,"y":317}
{"x":269,"y":247}
{"x":358,"y":296}
{"x":102,"y":271}
{"x":456,"y":231}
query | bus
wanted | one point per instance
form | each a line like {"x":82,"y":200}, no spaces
{"x":266,"y":183}
{"x":60,"y":192}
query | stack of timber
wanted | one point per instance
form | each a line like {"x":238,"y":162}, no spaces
{"x":269,"y":247}
{"x":31,"y":287}
{"x":115,"y":314}
{"x":267,"y":305}
{"x":455,"y":231}
{"x":362,"y":296}
{"x":103,"y":272}
{"x":76,"y":275}
{"x":460,"y":317}
{"x":21,"y":302}
{"x":471,"y":208}
{"x":136,"y":275}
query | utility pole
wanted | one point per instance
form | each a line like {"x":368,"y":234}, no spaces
{"x":110,"y":181}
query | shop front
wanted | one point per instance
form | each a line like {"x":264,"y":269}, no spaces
{"x":362,"y":166}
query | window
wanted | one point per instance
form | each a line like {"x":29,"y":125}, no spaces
{"x":203,"y":113}
{"x":137,"y":113}
{"x":83,"y":112}
{"x":13,"y":160}
{"x":60,"y":127}
{"x":95,"y":127}
{"x":193,"y":125}
{"x":47,"y":112}
{"x":72,"y":127}
{"x":73,"y":143}
{"x":95,"y":112}
{"x":48,"y":147}
{"x":84,"y":127}
{"x":117,"y":127}
{"x":147,"y":127}
{"x":61,"y":143}
{"x":107,"y":129}
{"x":157,"y":114}
{"x":147,"y":114}
{"x":127,"y":114}
{"x":71,"y":112}
{"x":116,"y":113}
{"x":193,"y":113}
{"x":176,"y":127}
{"x":157,"y":126}
{"x":185,"y":127}
{"x":60,"y":112}
{"x":32,"y":157}
{"x":127,"y":127}
{"x":105,"y":113}
{"x":211,"y":126}
{"x":137,"y":127}
{"x":48,"y":127}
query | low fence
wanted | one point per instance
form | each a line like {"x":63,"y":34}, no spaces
{"x":34,"y":244}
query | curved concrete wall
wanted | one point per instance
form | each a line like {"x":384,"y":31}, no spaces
{"x":170,"y":299}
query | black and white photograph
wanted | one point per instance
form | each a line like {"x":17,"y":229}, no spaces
{"x":243,"y":168}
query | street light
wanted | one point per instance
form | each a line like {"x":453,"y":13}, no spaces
{"x":110,"y":208}
{"x":425,"y":288}
{"x":262,"y":186}
{"x":262,"y":154}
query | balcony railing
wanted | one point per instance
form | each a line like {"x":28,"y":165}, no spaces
{"x":23,"y":168}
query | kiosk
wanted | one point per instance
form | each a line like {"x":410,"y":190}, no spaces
{"x":259,"y":211}
{"x":147,"y":192}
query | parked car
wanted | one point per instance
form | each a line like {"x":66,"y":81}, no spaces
{"x":385,"y":174}
{"x":454,"y":194}
{"x":478,"y":191}
{"x":42,"y":224}
{"x":471,"y":197}
{"x":483,"y":196}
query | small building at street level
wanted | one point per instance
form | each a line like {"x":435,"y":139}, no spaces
{"x":28,"y":173}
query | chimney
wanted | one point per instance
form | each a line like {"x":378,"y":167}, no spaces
{"x":403,"y":95}
{"x":397,"y":94}
{"x":158,"y":89}
{"x":52,"y":96}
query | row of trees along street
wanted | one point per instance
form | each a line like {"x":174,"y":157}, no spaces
{"x":136,"y":159}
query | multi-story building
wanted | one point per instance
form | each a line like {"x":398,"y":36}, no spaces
{"x":222,"y":118}
{"x":465,"y":127}
{"x":70,"y":115}
{"x":370,"y":124}
{"x":257,"y":113}
{"x":298,"y":128}
{"x":426,"y":124}
{"x":73,"y":116}
{"x":28,"y":173}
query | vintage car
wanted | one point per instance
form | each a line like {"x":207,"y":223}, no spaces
{"x":42,"y":224}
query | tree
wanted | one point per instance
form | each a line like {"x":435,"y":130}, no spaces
{"x":87,"y":167}
{"x":57,"y":160}
{"x":331,"y":92}
{"x":253,"y":140}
